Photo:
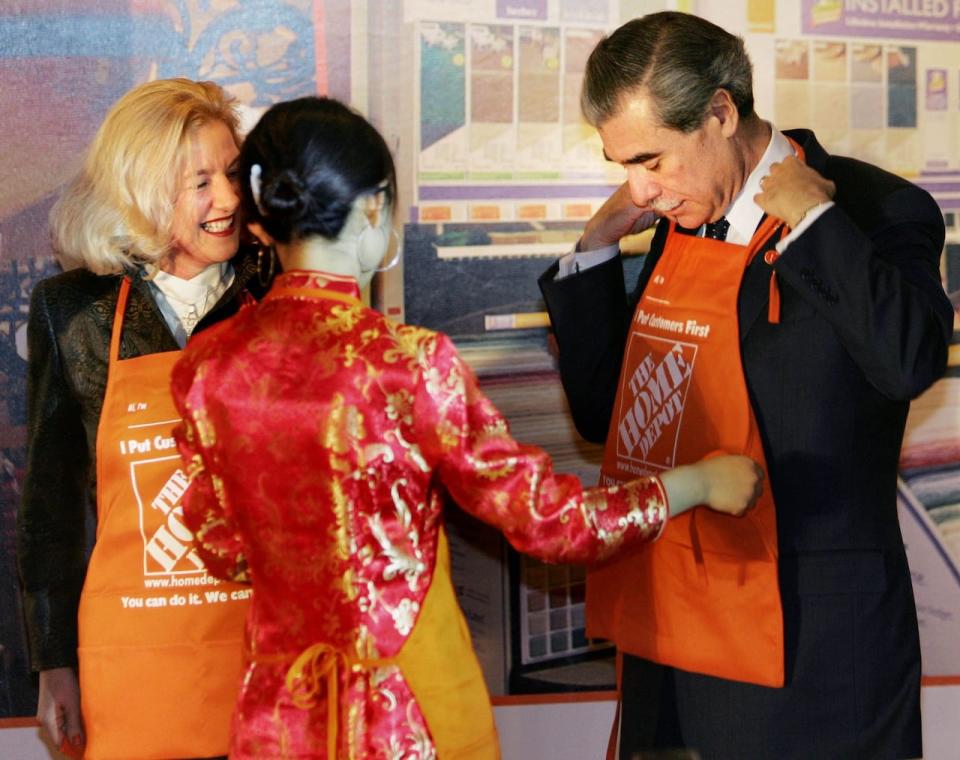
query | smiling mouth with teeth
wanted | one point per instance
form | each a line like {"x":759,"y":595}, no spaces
{"x":218,"y":226}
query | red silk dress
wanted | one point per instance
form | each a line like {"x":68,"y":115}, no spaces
{"x":318,"y":435}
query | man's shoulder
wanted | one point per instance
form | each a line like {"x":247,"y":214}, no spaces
{"x":876,"y":181}
{"x":874,"y":196}
{"x":844,"y":168}
{"x":863,"y":187}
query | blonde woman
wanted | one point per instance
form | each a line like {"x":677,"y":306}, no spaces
{"x":149,"y":233}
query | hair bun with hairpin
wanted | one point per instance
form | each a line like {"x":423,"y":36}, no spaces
{"x":285,"y":196}
{"x":309,"y":160}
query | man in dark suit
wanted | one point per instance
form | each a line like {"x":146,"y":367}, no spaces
{"x":852,"y":327}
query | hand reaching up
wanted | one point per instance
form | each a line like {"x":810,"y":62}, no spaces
{"x":615,"y":219}
{"x":791,"y":189}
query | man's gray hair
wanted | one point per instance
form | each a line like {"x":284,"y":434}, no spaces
{"x":680,"y":60}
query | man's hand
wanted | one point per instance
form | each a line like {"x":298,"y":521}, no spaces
{"x":615,"y":219}
{"x":791,"y":189}
{"x":58,"y":708}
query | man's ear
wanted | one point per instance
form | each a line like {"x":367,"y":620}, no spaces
{"x":725,"y":110}
{"x":256,"y":229}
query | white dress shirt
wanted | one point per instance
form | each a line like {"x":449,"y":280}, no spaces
{"x":183,"y":303}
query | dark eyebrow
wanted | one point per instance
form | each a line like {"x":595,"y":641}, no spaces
{"x":640,"y":158}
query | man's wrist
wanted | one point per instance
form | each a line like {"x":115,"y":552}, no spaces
{"x":808,"y":218}
{"x":810,"y":210}
{"x":578,"y":261}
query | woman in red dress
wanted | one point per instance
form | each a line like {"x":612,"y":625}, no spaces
{"x":320,"y":435}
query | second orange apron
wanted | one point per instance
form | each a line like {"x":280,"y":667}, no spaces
{"x":705,"y":596}
{"x":161,"y":641}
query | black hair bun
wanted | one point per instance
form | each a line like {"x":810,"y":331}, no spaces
{"x":316,"y":157}
{"x":285,"y":196}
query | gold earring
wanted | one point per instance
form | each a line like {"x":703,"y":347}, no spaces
{"x":266,"y":279}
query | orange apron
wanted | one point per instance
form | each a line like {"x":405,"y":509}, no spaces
{"x":705,"y":596}
{"x":160,"y":640}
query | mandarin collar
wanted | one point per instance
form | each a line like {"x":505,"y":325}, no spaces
{"x":314,"y":279}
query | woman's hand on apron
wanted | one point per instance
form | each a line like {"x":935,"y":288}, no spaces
{"x":733,"y":483}
{"x":615,"y":219}
{"x":726,"y":483}
{"x":58,"y":710}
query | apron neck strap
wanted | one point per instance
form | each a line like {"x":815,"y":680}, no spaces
{"x":769,"y":226}
{"x":118,"y":319}
{"x":798,"y":148}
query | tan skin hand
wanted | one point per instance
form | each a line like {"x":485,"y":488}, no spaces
{"x":791,"y":189}
{"x":58,"y":709}
{"x":615,"y":219}
{"x":733,"y":483}
{"x":728,"y":483}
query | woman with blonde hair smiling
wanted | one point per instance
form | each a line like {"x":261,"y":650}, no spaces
{"x":149,"y":232}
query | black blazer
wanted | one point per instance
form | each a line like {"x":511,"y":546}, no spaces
{"x":68,"y":338}
{"x":864,"y":328}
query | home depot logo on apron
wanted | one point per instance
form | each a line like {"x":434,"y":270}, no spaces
{"x":650,"y":414}
{"x":705,"y":596}
{"x":160,"y":640}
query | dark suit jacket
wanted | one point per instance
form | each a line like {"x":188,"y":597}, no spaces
{"x":68,"y":337}
{"x":864,"y":329}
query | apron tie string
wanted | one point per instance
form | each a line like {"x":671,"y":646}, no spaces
{"x":317,"y":666}
{"x":773,"y":309}
{"x":773,"y":312}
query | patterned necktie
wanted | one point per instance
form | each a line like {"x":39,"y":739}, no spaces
{"x":718,"y":229}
